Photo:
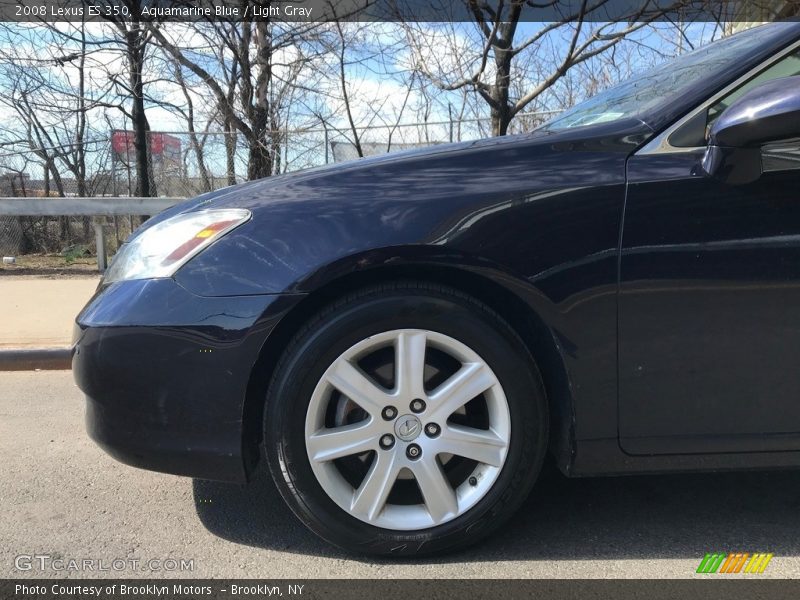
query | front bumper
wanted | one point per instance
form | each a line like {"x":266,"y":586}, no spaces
{"x":166,"y":375}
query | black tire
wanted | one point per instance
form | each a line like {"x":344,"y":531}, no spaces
{"x":368,"y":312}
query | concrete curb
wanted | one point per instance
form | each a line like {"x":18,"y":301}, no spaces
{"x":30,"y":359}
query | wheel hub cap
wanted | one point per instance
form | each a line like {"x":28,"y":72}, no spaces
{"x":407,"y":428}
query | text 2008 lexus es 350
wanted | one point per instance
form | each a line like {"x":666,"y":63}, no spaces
{"x":403,"y":338}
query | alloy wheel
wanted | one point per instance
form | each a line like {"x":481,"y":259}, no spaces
{"x":407,"y":429}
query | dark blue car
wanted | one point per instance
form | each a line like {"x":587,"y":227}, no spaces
{"x":403,"y":339}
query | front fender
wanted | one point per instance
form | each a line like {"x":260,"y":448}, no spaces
{"x":288,"y":243}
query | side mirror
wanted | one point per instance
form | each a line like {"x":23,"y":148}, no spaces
{"x":767,"y":113}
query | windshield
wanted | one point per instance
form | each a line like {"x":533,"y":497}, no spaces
{"x":645,"y":90}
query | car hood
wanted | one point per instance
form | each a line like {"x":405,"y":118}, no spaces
{"x":377,"y":174}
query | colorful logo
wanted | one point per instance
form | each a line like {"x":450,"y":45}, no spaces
{"x":736,"y":562}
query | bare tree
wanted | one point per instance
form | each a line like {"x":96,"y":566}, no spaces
{"x":488,"y":62}
{"x":340,"y":51}
{"x":359,"y":92}
{"x":197,"y":142}
{"x":124,"y":35}
{"x":48,"y":91}
{"x":134,"y":39}
{"x":267,"y":56}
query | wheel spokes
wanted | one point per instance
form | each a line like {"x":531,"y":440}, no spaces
{"x":471,"y":380}
{"x":358,"y":387}
{"x":338,"y":442}
{"x":410,"y":364}
{"x":370,"y":497}
{"x":440,"y":498}
{"x":481,"y":445}
{"x":407,"y":429}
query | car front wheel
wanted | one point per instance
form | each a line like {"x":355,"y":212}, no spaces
{"x":405,"y":419}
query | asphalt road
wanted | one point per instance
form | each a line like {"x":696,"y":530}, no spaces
{"x":63,"y":497}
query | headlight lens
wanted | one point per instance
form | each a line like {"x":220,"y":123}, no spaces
{"x":163,"y":248}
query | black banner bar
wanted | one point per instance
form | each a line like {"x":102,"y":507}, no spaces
{"x":711,"y":587}
{"x":393,"y":10}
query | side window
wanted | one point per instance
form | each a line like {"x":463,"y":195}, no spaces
{"x":777,"y":156}
{"x":694,"y":133}
{"x":787,"y":67}
{"x":781,"y":156}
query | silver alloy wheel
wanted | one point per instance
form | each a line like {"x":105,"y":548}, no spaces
{"x":415,"y":444}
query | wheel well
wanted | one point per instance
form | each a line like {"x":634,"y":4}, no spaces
{"x":536,"y":335}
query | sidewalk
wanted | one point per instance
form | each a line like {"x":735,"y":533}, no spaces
{"x":37,"y":317}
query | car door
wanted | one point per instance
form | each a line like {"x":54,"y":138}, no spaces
{"x":709,"y":302}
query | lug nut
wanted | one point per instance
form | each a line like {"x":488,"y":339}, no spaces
{"x":473,"y":481}
{"x":413,"y":451}
{"x":417,"y":405}
{"x":389,"y":413}
{"x":387,"y":441}
{"x":432,"y":430}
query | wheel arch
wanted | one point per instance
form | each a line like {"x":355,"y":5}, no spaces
{"x":483,"y":285}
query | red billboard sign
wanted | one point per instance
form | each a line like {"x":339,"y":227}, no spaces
{"x":164,"y":148}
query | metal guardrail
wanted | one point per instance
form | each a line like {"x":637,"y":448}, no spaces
{"x":86,"y":207}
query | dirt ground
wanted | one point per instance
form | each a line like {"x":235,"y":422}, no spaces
{"x":50,"y":266}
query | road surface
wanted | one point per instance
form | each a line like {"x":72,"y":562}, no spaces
{"x":63,"y":497}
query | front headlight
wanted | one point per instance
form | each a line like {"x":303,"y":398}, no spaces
{"x":163,"y":248}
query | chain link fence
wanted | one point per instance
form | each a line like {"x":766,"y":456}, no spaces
{"x":105,"y":168}
{"x":182,"y":164}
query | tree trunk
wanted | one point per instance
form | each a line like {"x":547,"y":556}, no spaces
{"x":141,"y":128}
{"x":501,"y":118}
{"x":501,"y":109}
{"x":275,"y":141}
{"x":230,"y":152}
{"x":231,"y":136}
{"x":201,"y":160}
{"x":80,"y":147}
{"x":259,"y":161}
{"x":197,"y":146}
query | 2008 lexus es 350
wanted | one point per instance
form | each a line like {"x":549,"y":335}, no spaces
{"x":403,"y":338}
